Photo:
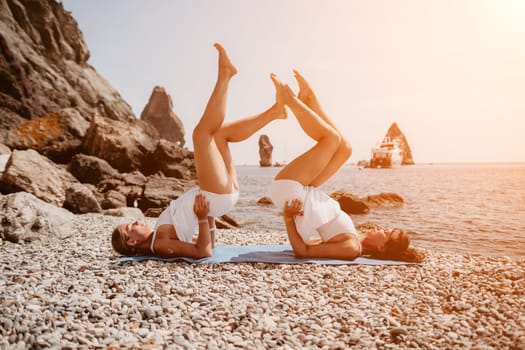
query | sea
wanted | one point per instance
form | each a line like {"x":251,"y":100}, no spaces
{"x":453,"y":208}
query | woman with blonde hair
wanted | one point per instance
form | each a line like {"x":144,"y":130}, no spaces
{"x":218,"y":189}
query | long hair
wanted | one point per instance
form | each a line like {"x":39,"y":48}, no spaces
{"x":119,"y":242}
{"x":398,"y":248}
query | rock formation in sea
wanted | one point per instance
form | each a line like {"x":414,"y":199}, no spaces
{"x":159,"y":113}
{"x":66,"y":136}
{"x":395,"y":134}
{"x":265,"y":151}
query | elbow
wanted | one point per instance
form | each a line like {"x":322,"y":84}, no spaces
{"x":204,"y":253}
{"x":301,"y":253}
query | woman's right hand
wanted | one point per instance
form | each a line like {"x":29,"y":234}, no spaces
{"x":292,"y":208}
{"x":201,"y":207}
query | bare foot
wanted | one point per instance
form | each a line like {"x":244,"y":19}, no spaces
{"x":283,"y":93}
{"x":279,"y":111}
{"x":306,"y":94}
{"x":226,"y":67}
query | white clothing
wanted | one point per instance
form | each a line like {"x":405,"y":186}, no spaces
{"x":322,"y":216}
{"x":179,"y":212}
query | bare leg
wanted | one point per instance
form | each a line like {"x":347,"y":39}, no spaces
{"x":307,"y":167}
{"x":208,"y":160}
{"x":241,"y":130}
{"x":307,"y":95}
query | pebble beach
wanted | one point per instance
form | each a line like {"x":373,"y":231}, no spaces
{"x":69,"y":293}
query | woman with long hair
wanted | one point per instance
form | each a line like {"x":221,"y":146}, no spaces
{"x":315,"y":223}
{"x":218,"y":189}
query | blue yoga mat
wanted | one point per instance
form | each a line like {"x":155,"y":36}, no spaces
{"x":272,"y":254}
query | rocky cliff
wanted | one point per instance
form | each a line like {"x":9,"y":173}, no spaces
{"x":43,"y":67}
{"x":395,"y":134}
{"x":66,"y":136}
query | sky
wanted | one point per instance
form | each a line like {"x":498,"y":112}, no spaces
{"x":450,"y":73}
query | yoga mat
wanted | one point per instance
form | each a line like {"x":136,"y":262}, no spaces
{"x":272,"y":254}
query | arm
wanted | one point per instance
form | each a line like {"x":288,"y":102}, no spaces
{"x":346,"y":249}
{"x":202,"y":246}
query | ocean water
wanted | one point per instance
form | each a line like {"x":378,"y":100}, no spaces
{"x":463,"y":208}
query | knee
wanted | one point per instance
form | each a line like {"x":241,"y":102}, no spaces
{"x":200,"y":134}
{"x":333,"y":141}
{"x":345,"y":148}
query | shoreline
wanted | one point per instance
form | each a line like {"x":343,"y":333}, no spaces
{"x":70,"y":293}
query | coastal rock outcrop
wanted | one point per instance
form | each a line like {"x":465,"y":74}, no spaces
{"x":43,"y":66}
{"x":76,"y":143}
{"x":31,"y":172}
{"x":122,"y":145}
{"x":352,"y":204}
{"x":159,"y":113}
{"x":58,"y":135}
{"x":265,"y":151}
{"x":395,"y":134}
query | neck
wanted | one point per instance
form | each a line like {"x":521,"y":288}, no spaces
{"x":366,"y":246}
{"x":146,"y":244}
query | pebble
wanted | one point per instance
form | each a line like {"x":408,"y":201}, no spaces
{"x":70,"y":294}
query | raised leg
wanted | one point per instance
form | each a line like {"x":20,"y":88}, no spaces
{"x":241,"y":130}
{"x":211,"y":171}
{"x":307,"y":167}
{"x":344,"y":151}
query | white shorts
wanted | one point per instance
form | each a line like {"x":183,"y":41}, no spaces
{"x":180,"y":211}
{"x":318,"y":207}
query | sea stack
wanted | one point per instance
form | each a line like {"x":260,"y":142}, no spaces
{"x":159,"y":113}
{"x":265,"y":151}
{"x":395,"y":134}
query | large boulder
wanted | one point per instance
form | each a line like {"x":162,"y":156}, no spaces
{"x":159,"y":113}
{"x":43,"y":66}
{"x":58,"y":136}
{"x":349,"y":203}
{"x":122,"y":145}
{"x":90,"y":169}
{"x":383,"y":200}
{"x":24,"y":218}
{"x":31,"y":172}
{"x":129,"y":185}
{"x":171,"y":160}
{"x":80,"y":199}
{"x":159,"y":191}
{"x":265,"y":151}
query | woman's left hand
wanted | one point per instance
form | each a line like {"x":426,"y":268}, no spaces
{"x":201,"y":206}
{"x":293,"y":208}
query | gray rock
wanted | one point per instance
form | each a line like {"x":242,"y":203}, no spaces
{"x":80,"y":200}
{"x":31,"y":172}
{"x":24,"y":218}
{"x":90,"y":169}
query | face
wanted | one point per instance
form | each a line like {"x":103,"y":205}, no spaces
{"x":137,"y":232}
{"x":379,"y":236}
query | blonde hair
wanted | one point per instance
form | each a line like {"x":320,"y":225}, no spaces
{"x":119,"y":242}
